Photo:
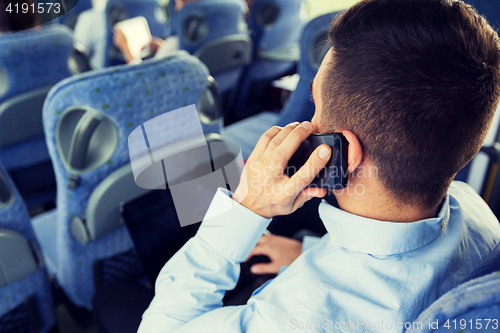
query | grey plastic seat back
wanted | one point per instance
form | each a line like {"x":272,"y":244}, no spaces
{"x":16,"y":259}
{"x":21,"y":117}
{"x":226,"y":53}
{"x":103,"y":210}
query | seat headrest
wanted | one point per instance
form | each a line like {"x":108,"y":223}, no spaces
{"x":33,"y":59}
{"x":195,"y":28}
{"x":267,"y":13}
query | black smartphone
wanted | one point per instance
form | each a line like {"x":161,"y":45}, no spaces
{"x":334,"y":174}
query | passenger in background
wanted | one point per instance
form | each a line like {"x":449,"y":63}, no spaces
{"x":90,"y":32}
{"x":16,"y":21}
{"x":158,"y":46}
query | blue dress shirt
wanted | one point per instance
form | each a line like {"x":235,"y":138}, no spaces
{"x":364,"y":276}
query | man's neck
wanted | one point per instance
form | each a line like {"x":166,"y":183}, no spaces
{"x":372,"y":201}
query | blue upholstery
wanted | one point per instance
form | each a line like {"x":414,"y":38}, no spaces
{"x":299,"y":106}
{"x":127,"y":96}
{"x":14,"y":216}
{"x":33,"y":59}
{"x":285,"y":31}
{"x":119,"y":10}
{"x":467,"y":307}
{"x":223,"y":18}
{"x":13,"y":295}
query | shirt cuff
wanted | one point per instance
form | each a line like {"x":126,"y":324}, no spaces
{"x":230,"y":228}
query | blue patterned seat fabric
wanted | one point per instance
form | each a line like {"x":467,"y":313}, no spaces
{"x":473,"y":306}
{"x":14,"y":216}
{"x":35,"y":58}
{"x":31,"y":60}
{"x":119,"y":10}
{"x":127,"y":96}
{"x":299,"y":106}
{"x":223,"y":18}
{"x":257,"y":77}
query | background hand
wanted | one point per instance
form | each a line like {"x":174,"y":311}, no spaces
{"x":282,"y":251}
{"x":121,"y":42}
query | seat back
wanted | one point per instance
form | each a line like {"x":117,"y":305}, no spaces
{"x":275,"y":23}
{"x":276,"y":26}
{"x":87,"y":121}
{"x":31,"y":62}
{"x":118,"y":10}
{"x":215,"y":31}
{"x":313,"y":47}
{"x":473,"y":306}
{"x":26,"y":303}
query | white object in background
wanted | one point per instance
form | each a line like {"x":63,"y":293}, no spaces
{"x":289,"y":82}
{"x":137,"y":32}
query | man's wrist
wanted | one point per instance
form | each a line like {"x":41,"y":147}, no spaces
{"x":230,"y":228}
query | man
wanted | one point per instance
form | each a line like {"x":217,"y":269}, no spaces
{"x":413,"y":86}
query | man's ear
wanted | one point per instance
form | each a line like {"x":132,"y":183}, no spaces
{"x":355,"y":152}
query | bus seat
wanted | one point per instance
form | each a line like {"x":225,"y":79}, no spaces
{"x":26,"y":303}
{"x":87,"y":121}
{"x":276,"y":26}
{"x":216,"y":33}
{"x":118,"y":10}
{"x":31,"y":62}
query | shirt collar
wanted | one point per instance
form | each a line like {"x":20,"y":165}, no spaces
{"x":376,"y":237}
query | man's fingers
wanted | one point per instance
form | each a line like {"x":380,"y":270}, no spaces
{"x":279,"y":138}
{"x":317,"y":161}
{"x":306,"y":195}
{"x":264,"y":140}
{"x":268,"y":268}
{"x":290,"y":143}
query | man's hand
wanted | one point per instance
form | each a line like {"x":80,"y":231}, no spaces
{"x":264,"y":187}
{"x":121,"y":42}
{"x":282,"y":251}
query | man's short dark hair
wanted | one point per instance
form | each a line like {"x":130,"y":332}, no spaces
{"x":418,"y":82}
